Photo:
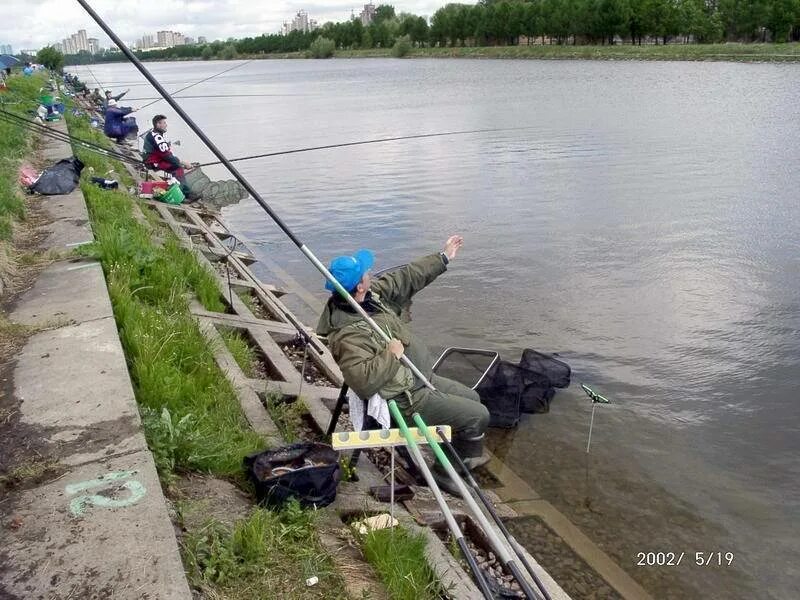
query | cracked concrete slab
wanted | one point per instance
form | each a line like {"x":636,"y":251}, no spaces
{"x":99,"y":531}
{"x":74,"y":387}
{"x":72,"y":291}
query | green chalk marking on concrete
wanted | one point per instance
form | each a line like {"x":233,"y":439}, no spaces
{"x":78,"y":505}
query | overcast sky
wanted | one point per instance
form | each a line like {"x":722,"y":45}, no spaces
{"x":35,"y":23}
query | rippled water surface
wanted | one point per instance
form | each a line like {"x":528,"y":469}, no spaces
{"x":640,"y":219}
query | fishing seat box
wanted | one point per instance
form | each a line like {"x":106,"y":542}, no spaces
{"x":146,"y":188}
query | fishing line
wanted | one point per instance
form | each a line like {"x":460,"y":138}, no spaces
{"x":199,"y":82}
{"x":364,"y":142}
{"x":224,"y":96}
{"x":99,"y":87}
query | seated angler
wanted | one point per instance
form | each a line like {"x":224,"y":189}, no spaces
{"x":157,"y":153}
{"x":371,"y":366}
{"x":97,"y":97}
{"x":118,"y":124}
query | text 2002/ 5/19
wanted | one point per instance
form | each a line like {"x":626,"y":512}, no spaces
{"x":674,"y":559}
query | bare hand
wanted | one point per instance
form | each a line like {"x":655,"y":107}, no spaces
{"x":186,"y":165}
{"x":452,"y":246}
{"x":396,"y":348}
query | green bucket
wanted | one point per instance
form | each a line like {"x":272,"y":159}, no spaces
{"x":174,"y":195}
{"x":46,"y":100}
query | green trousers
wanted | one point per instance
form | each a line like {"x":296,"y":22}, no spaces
{"x":452,"y":404}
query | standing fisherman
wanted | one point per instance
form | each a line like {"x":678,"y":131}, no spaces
{"x":157,"y":153}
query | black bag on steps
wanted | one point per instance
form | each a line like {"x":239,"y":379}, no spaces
{"x":308,"y":471}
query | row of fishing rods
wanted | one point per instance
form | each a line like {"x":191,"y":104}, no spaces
{"x":506,"y":548}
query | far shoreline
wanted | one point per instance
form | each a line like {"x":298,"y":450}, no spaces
{"x":729,"y":52}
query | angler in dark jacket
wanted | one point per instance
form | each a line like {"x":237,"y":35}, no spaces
{"x":118,"y":124}
{"x":372,"y":366}
{"x":157,"y":153}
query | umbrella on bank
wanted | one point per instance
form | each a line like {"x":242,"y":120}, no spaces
{"x":6,"y":61}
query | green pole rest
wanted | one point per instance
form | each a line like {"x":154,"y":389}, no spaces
{"x":596,"y":398}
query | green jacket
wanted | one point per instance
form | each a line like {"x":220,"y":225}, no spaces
{"x":366,"y":363}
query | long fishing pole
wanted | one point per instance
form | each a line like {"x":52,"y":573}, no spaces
{"x":250,"y":189}
{"x":99,"y":87}
{"x":499,"y":547}
{"x":65,"y":137}
{"x":515,"y":546}
{"x":198,"y":83}
{"x":364,"y":142}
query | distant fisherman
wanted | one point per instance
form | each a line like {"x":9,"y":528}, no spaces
{"x":157,"y":153}
{"x":118,"y":124}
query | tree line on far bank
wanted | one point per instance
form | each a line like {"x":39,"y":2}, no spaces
{"x":509,"y":22}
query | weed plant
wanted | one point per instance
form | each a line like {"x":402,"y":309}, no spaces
{"x":242,"y":352}
{"x":288,"y":416}
{"x":265,"y":556}
{"x":399,"y":558}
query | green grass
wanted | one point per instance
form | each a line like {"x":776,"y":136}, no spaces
{"x":399,"y":558}
{"x":242,"y":352}
{"x":191,"y":415}
{"x":714,"y":52}
{"x":288,"y":416}
{"x":15,"y":144}
{"x":265,"y":556}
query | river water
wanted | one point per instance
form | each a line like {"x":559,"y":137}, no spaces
{"x":639,"y":218}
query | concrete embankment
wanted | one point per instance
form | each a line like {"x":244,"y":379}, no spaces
{"x":101,"y":528}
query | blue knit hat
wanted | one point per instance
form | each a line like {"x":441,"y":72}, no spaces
{"x":348,"y":270}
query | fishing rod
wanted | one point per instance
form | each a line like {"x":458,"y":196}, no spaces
{"x":198,"y":83}
{"x":99,"y":87}
{"x":65,"y":137}
{"x":452,"y":525}
{"x":518,"y":550}
{"x":250,"y":189}
{"x":499,"y":547}
{"x":364,"y":142}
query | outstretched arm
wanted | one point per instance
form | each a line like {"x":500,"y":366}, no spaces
{"x":400,"y":285}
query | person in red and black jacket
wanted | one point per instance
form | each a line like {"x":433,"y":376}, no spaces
{"x":157,"y":153}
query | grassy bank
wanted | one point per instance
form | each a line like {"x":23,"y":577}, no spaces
{"x":706,"y":52}
{"x":191,"y":415}
{"x":15,"y":143}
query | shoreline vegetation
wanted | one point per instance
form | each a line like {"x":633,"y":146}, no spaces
{"x":546,"y":29}
{"x":730,"y":52}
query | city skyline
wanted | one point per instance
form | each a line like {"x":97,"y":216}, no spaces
{"x":37,"y":23}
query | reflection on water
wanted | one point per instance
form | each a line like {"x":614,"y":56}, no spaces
{"x":641,"y":220}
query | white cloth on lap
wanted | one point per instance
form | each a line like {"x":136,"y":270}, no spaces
{"x":377,"y":408}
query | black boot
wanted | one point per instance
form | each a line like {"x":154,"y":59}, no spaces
{"x":471,"y":451}
{"x":444,"y":481}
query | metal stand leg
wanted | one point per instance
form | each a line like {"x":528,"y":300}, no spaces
{"x":391,"y":490}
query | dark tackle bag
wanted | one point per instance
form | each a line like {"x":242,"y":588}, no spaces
{"x":307,"y":471}
{"x":61,"y":178}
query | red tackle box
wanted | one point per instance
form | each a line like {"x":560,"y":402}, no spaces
{"x":146,"y":188}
